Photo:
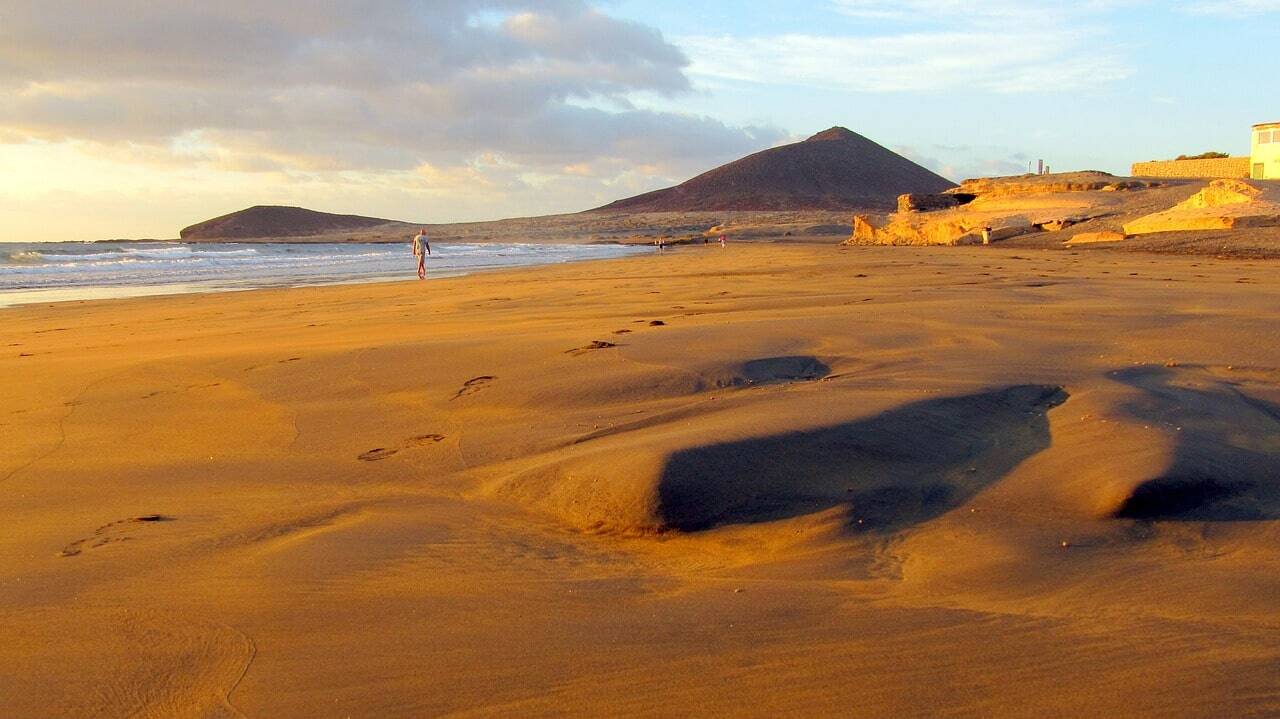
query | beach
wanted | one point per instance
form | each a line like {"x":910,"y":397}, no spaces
{"x":769,"y":479}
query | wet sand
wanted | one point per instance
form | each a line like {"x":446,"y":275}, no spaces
{"x":770,"y":479}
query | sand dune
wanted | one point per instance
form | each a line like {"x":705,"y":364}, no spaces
{"x":765,"y":480}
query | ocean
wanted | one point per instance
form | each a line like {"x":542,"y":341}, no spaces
{"x":54,"y":271}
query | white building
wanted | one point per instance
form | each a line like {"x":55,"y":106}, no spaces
{"x":1264,"y":160}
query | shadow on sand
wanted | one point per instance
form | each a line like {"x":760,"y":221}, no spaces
{"x":893,"y":470}
{"x":1226,"y":460}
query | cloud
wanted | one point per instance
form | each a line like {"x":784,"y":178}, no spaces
{"x":314,"y":86}
{"x":923,"y":45}
{"x":963,"y":162}
{"x":968,"y":12}
{"x":927,"y":11}
{"x":1232,"y":8}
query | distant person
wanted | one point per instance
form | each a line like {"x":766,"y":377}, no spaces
{"x":723,"y":240}
{"x":421,"y":248}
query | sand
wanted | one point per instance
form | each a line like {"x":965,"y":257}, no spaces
{"x":765,"y":480}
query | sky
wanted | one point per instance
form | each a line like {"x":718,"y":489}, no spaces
{"x":133,"y":119}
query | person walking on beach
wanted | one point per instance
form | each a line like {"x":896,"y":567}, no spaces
{"x":421,"y":248}
{"x":723,"y":239}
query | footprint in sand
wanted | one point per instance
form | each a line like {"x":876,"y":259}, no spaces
{"x":251,"y":368}
{"x":111,"y":533}
{"x":380,"y":453}
{"x":595,"y":345}
{"x":473,"y":385}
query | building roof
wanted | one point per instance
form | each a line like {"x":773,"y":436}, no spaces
{"x":1266,"y":125}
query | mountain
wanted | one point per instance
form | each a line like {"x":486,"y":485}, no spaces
{"x":836,"y":169}
{"x":264,"y":221}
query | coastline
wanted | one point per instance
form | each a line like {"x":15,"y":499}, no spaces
{"x":771,"y":478}
{"x":142,"y":274}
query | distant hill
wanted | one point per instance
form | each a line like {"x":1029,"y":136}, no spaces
{"x":834,"y":170}
{"x":272,"y":221}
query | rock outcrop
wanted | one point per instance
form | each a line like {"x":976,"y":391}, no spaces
{"x":1222,"y":205}
{"x":1087,"y":238}
{"x":953,"y":229}
{"x":996,"y":209}
{"x":1086,"y":181}
{"x":917,"y":202}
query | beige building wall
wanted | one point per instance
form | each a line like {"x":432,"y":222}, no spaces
{"x":1264,"y":163}
{"x":1233,"y":167}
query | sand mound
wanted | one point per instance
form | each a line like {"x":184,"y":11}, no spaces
{"x":770,"y":370}
{"x":887,"y":472}
{"x":1199,"y":498}
{"x":1164,"y":443}
{"x":1223,"y":457}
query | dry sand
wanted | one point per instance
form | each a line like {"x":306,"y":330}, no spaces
{"x":764,"y":480}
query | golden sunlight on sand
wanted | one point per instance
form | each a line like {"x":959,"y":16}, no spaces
{"x":764,"y":480}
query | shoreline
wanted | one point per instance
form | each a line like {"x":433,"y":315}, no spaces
{"x":112,"y":293}
{"x":18,"y":297}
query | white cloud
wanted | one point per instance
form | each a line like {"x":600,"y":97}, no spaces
{"x":313,"y":86}
{"x":989,"y":12}
{"x":928,"y":11}
{"x":964,"y":162}
{"x":1232,"y":8}
{"x":921,"y":45}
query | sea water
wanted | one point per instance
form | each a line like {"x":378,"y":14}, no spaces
{"x":50,"y":271}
